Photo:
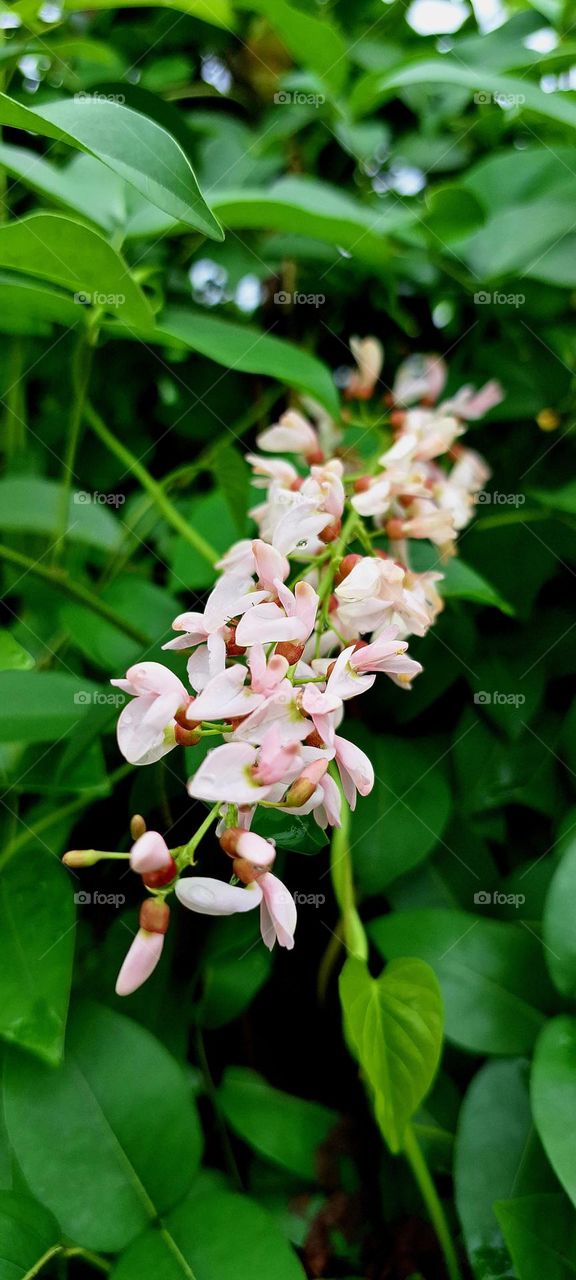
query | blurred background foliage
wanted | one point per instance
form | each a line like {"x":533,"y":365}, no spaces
{"x":402,"y":170}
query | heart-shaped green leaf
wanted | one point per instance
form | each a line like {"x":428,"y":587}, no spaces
{"x":394,"y":1025}
{"x":216,"y":1235}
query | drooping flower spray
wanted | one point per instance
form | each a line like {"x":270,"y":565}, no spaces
{"x":302,"y":618}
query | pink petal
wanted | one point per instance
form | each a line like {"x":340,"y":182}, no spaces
{"x":149,"y":853}
{"x":141,"y":742}
{"x":224,"y":775}
{"x":215,"y":898}
{"x":256,"y":849}
{"x":278,"y":913}
{"x":225,"y":697}
{"x":140,"y":962}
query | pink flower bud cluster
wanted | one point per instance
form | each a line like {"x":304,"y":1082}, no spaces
{"x":298,"y":624}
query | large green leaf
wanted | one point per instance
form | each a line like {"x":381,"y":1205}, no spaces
{"x":401,"y":821}
{"x":31,"y":504}
{"x":314,"y":41}
{"x":394,"y":1026}
{"x":491,"y":974}
{"x":247,"y":349}
{"x":135,"y":147}
{"x":147,"y":606}
{"x":558,"y":924}
{"x":540,"y":1232}
{"x":442,"y":71}
{"x":53,"y":247}
{"x":82,"y":185}
{"x":36,"y":949}
{"x":310,"y":207}
{"x":554,"y":1097}
{"x":497,"y":1155}
{"x":283,"y":1129}
{"x":216,"y":1235}
{"x":42,"y":706}
{"x":218,"y":12}
{"x":28,"y":307}
{"x":28,"y":1233}
{"x":12,"y":655}
{"x":110,"y":1139}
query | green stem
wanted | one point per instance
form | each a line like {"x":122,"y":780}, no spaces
{"x":75,"y":590}
{"x":81,"y":367}
{"x":425,"y":1182}
{"x":187,"y":854}
{"x":46,"y":1257}
{"x":184,"y":475}
{"x":87,"y":1255}
{"x":15,"y":408}
{"x":152,"y":487}
{"x":353,"y":932}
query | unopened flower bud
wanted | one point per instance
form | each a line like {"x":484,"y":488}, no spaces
{"x":137,"y":826}
{"x":291,"y":650}
{"x":397,"y":417}
{"x":245,"y":871}
{"x":157,"y":879}
{"x":362,"y":484}
{"x":346,"y":566}
{"x":235,"y":722}
{"x":331,"y":531}
{"x":81,"y":857}
{"x":306,"y":784}
{"x":186,"y":737}
{"x":183,"y":717}
{"x":395,"y":528}
{"x":154,"y":915}
{"x":314,"y":739}
{"x":150,"y":857}
{"x":250,"y":849}
{"x":314,"y":457}
{"x":548,"y":420}
{"x":233,"y":650}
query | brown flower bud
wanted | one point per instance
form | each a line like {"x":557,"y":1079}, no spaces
{"x":229,"y":840}
{"x":346,"y":566}
{"x":154,"y":915}
{"x":186,"y":737}
{"x":292,"y":650}
{"x":182,"y":717}
{"x":234,"y":721}
{"x":395,"y":528}
{"x":331,"y":531}
{"x":315,"y":458}
{"x":137,"y":826}
{"x":245,"y":871}
{"x":299,"y":792}
{"x":232,"y":649}
{"x":314,"y":739}
{"x":362,"y":484}
{"x":397,"y":417}
{"x":157,"y":879}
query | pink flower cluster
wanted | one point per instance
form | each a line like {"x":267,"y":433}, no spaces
{"x":301,"y":620}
